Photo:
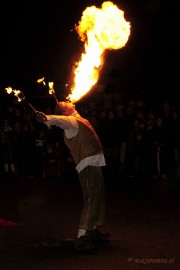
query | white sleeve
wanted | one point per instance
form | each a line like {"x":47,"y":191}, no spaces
{"x":62,"y":121}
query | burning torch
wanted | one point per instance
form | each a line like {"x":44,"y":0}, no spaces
{"x":21,"y":98}
{"x":51,"y":88}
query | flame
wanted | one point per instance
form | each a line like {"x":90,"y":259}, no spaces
{"x":50,"y":84}
{"x":20,"y":96}
{"x":99,"y":29}
{"x":41,"y":80}
{"x":51,"y":88}
{"x":8,"y":90}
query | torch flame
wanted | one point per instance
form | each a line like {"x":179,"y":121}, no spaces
{"x":41,"y":80}
{"x":51,"y":87}
{"x":8,"y":90}
{"x":99,"y":29}
{"x":50,"y":84}
{"x":20,"y":96}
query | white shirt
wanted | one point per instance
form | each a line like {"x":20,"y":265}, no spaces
{"x":70,"y":126}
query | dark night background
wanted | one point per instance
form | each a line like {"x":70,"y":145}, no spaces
{"x":38,"y":40}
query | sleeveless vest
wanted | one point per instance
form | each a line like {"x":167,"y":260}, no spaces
{"x":86,"y":143}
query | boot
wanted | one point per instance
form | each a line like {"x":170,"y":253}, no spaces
{"x":96,"y":236}
{"x":84,"y":245}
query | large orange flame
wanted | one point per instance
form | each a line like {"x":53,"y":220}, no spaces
{"x":99,"y":29}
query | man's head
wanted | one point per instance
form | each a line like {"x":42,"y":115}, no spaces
{"x":65,"y":108}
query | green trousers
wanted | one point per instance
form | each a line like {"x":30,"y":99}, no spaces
{"x":94,"y":197}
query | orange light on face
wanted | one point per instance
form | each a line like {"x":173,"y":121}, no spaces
{"x":99,"y":29}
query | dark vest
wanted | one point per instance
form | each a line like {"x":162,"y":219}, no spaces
{"x":86,"y":143}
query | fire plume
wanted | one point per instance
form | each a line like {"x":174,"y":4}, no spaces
{"x":99,"y":29}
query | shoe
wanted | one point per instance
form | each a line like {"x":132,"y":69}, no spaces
{"x":84,"y":245}
{"x":7,"y":223}
{"x":96,"y":236}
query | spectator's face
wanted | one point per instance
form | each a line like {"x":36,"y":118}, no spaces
{"x":111,"y":115}
{"x":159,"y":122}
{"x":17,"y":126}
{"x":17,"y":113}
{"x":102,"y":114}
{"x":25,"y":127}
{"x":141,"y":125}
{"x":6,"y":122}
{"x":151,"y":115}
{"x":174,"y":115}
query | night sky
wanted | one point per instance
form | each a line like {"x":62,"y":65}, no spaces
{"x":38,"y":40}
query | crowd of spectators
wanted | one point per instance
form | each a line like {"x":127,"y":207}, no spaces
{"x":139,"y":140}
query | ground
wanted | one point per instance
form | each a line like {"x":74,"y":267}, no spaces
{"x":142,"y":216}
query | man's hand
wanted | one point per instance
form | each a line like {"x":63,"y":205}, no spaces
{"x":41,"y":117}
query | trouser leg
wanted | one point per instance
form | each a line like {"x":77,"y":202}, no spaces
{"x":94,"y":197}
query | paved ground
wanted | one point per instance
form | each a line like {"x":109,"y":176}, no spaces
{"x":142,"y":216}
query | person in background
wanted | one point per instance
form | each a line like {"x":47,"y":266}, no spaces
{"x":27,"y":151}
{"x":6,"y":141}
{"x":87,"y":152}
{"x":51,"y":162}
{"x":110,"y":144}
{"x":162,"y":148}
